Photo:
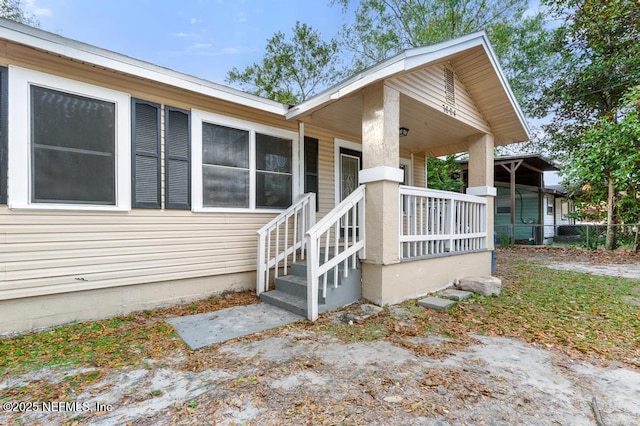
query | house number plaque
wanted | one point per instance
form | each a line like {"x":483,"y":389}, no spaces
{"x":449,"y":110}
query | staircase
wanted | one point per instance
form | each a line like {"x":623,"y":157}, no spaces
{"x":313,"y":256}
{"x":291,"y":290}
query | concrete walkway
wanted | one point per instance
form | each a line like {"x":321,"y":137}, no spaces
{"x":202,"y":330}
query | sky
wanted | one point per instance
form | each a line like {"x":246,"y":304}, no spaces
{"x":205,"y":38}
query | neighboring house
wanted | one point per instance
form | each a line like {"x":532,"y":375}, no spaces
{"x":127,"y":186}
{"x":526,"y":210}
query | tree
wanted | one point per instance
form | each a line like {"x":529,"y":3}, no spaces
{"x":13,"y":10}
{"x":610,"y":160}
{"x":599,"y":62}
{"x":444,"y":174}
{"x":384,"y":27}
{"x":292,"y":69}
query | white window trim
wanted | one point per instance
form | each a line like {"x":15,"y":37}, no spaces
{"x":337,"y":144}
{"x":19,"y":109}
{"x":197,"y":118}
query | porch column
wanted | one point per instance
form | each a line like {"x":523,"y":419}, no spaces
{"x":481,"y":176}
{"x":381,"y":173}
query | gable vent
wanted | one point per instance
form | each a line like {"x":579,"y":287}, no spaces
{"x":449,"y":87}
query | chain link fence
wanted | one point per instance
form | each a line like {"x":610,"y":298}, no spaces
{"x":583,"y":235}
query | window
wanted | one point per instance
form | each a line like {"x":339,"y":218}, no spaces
{"x":145,"y":164}
{"x":274,"y":158}
{"x":565,"y":209}
{"x":503,"y":206}
{"x":241,"y":165}
{"x":225,"y":166}
{"x":73,"y":145}
{"x":65,"y":137}
{"x":549,"y":206}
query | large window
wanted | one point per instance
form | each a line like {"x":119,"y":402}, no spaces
{"x":73,"y":148}
{"x":241,"y":165}
{"x":274,"y":158}
{"x":64,"y":142}
{"x":225,"y":166}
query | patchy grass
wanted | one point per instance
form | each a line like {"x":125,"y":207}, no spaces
{"x":587,"y":316}
{"x":580,"y":313}
{"x":584,"y":315}
{"x":111,"y":343}
{"x":364,"y":332}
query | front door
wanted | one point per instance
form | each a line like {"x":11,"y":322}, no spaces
{"x":350,"y":165}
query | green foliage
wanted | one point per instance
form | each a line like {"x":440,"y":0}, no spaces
{"x":610,"y":154}
{"x":597,"y":43}
{"x":583,"y":312}
{"x":292,"y":69}
{"x":444,"y":174}
{"x":382,"y":28}
{"x":13,"y":10}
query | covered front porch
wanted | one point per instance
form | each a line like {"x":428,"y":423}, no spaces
{"x":407,"y":239}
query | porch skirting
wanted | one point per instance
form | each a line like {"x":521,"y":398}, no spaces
{"x":55,"y":309}
{"x":390,"y":284}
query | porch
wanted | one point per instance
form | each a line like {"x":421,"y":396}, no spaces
{"x":317,"y":266}
{"x":409,"y":240}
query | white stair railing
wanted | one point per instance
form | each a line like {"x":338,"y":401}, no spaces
{"x":283,"y":239}
{"x":341,"y":233}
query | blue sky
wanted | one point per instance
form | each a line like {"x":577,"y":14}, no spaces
{"x":205,"y":38}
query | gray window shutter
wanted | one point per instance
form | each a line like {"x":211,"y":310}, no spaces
{"x":311,"y":167}
{"x":4,"y":161}
{"x":177,"y":158}
{"x":145,"y":138}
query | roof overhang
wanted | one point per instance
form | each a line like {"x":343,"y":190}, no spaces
{"x":494,"y":109}
{"x":86,"y":53}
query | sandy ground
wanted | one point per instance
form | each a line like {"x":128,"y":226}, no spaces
{"x":292,"y":375}
{"x":287,"y":377}
{"x":625,"y":270}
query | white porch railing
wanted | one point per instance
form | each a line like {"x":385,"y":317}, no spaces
{"x":440,"y":222}
{"x":341,"y":234}
{"x":283,"y":238}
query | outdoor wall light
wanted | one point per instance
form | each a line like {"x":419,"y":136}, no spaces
{"x":403,"y":132}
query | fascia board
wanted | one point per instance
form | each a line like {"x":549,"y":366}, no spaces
{"x":114,"y":61}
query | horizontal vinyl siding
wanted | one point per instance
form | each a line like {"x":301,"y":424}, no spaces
{"x":526,"y":208}
{"x":427,"y":86}
{"x":48,"y":252}
{"x":326,"y":168}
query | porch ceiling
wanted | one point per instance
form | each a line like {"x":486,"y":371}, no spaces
{"x":491,"y":105}
{"x":431,"y":132}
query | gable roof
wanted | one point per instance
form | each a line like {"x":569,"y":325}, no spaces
{"x":86,"y":53}
{"x":481,"y":73}
{"x":482,"y":76}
